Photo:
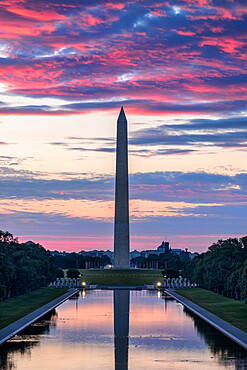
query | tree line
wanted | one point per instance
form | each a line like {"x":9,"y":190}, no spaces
{"x":222,"y":269}
{"x":23,"y":267}
{"x":76,"y":260}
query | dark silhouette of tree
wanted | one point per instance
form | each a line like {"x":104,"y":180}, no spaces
{"x":73,"y":273}
{"x":6,"y":237}
{"x":76,"y":260}
{"x":23,"y":267}
{"x":59,"y":273}
{"x":222,"y":269}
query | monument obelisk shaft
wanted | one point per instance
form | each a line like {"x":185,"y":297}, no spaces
{"x":121,"y":227}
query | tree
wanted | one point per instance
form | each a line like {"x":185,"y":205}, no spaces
{"x":222,"y":269}
{"x":171,"y":273}
{"x":243,"y":282}
{"x":60,"y":273}
{"x":73,"y":273}
{"x":6,"y":237}
{"x":23,"y":267}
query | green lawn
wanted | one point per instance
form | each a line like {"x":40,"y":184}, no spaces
{"x":121,"y":277}
{"x":234,"y":312}
{"x":14,"y":308}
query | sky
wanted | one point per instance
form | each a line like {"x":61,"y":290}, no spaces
{"x":179,"y":70}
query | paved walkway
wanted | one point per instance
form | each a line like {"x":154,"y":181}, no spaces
{"x":237,"y":335}
{"x":17,"y":326}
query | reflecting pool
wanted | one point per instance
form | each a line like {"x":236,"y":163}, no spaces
{"x":121,"y":330}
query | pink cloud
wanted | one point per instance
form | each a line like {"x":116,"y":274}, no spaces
{"x":172,"y":71}
{"x":185,"y":33}
{"x":39,"y":14}
{"x":217,"y":29}
{"x":89,"y":20}
{"x":8,"y":29}
{"x":226,"y":44}
{"x":159,"y":13}
{"x":115,"y":6}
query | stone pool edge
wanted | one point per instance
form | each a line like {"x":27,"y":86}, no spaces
{"x":19,"y":325}
{"x":235,"y":334}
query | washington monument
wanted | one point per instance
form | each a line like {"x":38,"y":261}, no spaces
{"x":121,"y":227}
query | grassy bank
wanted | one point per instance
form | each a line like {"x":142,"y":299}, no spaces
{"x":234,"y":312}
{"x":121,"y":277}
{"x":14,"y":308}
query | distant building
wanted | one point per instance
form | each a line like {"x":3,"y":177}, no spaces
{"x":135,"y":254}
{"x":193,"y":255}
{"x":57,"y":253}
{"x":185,"y":254}
{"x":109,"y":254}
{"x":146,"y":253}
{"x":83,"y":253}
{"x":176,"y":251}
{"x":164,"y":247}
{"x":95,"y":253}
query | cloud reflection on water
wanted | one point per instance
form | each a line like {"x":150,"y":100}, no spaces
{"x":150,"y":332}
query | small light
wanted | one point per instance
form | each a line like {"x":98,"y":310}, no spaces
{"x":83,"y":283}
{"x":158,"y":284}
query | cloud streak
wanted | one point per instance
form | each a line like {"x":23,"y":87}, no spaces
{"x":177,"y":138}
{"x":191,"y":187}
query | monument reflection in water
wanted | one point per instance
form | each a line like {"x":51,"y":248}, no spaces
{"x":121,"y":328}
{"x":149,"y":332}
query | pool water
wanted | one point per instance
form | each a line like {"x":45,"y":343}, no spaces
{"x":121,"y":329}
